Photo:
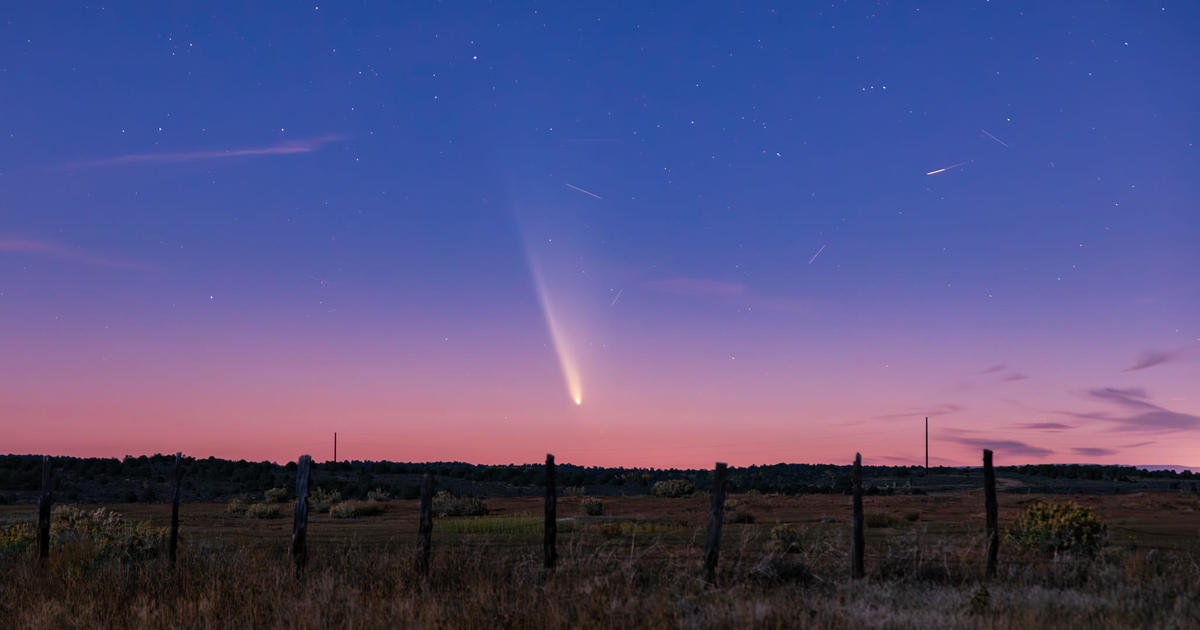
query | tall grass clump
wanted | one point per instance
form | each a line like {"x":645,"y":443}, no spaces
{"x":1058,"y":527}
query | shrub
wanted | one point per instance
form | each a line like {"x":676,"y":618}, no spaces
{"x":262,"y":510}
{"x":355,"y":509}
{"x":320,"y":499}
{"x":741,"y":516}
{"x":787,"y":539}
{"x":592,"y":507}
{"x":1055,"y":527}
{"x":379,"y":494}
{"x":672,"y":488}
{"x":574,"y":491}
{"x":912,"y":517}
{"x":446,"y":504}
{"x":776,"y":568}
{"x":276,"y":495}
{"x":238,"y":505}
{"x":102,"y":533}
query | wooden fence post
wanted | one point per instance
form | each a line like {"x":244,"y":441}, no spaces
{"x":300,"y":524}
{"x":993,"y":517}
{"x":549,"y":546}
{"x":173,"y":537}
{"x":716,"y":516}
{"x":44,"y":503}
{"x":857,"y":542}
{"x":425,"y":524}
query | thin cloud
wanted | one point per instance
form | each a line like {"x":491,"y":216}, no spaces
{"x":939,"y":410}
{"x":1008,"y":447}
{"x":1151,"y":358}
{"x":1146,"y":416}
{"x":59,"y":251}
{"x":1014,"y":376}
{"x":1137,"y":445}
{"x":290,"y":147}
{"x":1093,"y":451}
{"x":1045,"y":426}
{"x":999,"y":367}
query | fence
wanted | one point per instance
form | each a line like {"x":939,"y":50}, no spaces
{"x":712,"y":539}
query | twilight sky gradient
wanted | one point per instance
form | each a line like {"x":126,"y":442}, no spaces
{"x":728,"y":231}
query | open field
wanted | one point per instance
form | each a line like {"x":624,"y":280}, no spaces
{"x":635,"y":566}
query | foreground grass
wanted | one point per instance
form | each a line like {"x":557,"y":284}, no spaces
{"x":638,"y":567}
{"x":610,"y":584}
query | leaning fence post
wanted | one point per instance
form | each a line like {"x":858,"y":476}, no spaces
{"x":993,"y":517}
{"x":857,"y":542}
{"x":173,"y":539}
{"x":425,"y":525}
{"x":300,"y":524}
{"x":44,"y":502}
{"x":716,"y":515}
{"x":551,"y":529}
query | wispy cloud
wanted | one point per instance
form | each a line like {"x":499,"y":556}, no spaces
{"x":1093,"y":451}
{"x":1010,"y":447}
{"x":1014,"y":376}
{"x":1138,"y":413}
{"x":937,"y":410}
{"x":999,"y":367}
{"x":1151,"y":358}
{"x":1045,"y":426}
{"x":285,"y":148}
{"x":59,"y":251}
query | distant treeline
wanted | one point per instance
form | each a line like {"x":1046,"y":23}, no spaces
{"x":145,"y":478}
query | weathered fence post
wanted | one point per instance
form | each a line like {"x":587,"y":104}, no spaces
{"x":425,"y":524}
{"x":44,"y":503}
{"x":857,"y":541}
{"x":716,"y":516}
{"x":300,"y":524}
{"x":173,"y":538}
{"x":549,"y":545}
{"x":993,"y":517}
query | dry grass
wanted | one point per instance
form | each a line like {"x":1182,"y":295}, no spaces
{"x":635,"y":567}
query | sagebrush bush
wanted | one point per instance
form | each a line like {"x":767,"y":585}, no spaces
{"x":263,"y":510}
{"x":574,"y":491}
{"x":320,"y":499}
{"x":446,"y":504}
{"x":787,"y":539}
{"x":355,"y":509}
{"x":379,"y":494}
{"x":1058,"y":527}
{"x":276,"y":495}
{"x":672,"y":488}
{"x":99,"y":534}
{"x":238,"y":505}
{"x":592,"y":507}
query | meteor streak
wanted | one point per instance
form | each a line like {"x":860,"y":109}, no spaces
{"x":943,"y":170}
{"x":584,"y":191}
{"x":985,"y":132}
{"x":614,"y":302}
{"x":814,"y":257}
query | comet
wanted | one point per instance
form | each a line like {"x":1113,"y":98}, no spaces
{"x":586,"y":192}
{"x":560,"y":339}
{"x":943,"y":170}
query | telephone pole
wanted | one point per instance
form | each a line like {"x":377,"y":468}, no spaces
{"x":926,"y":448}
{"x":926,"y":444}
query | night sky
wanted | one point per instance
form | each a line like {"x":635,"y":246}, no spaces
{"x":626,"y":233}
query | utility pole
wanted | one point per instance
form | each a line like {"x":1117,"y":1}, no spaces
{"x":335,"y":446}
{"x":926,"y":443}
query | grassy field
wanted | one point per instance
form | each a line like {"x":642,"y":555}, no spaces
{"x":635,"y":566}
